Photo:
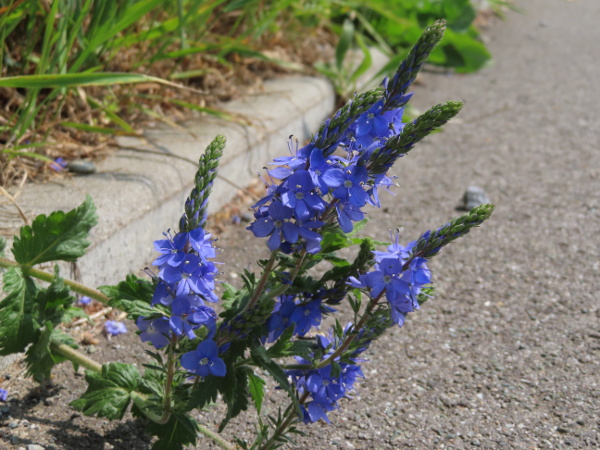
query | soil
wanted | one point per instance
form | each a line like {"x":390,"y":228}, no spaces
{"x":507,"y":353}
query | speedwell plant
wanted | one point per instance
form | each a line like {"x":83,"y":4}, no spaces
{"x":313,"y":206}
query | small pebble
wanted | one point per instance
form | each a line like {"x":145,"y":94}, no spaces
{"x":473,"y":196}
{"x":13,"y":424}
{"x":35,"y":447}
{"x":81,"y":166}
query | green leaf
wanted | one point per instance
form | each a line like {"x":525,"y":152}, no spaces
{"x":279,"y":347}
{"x":344,"y":44}
{"x":53,"y":302}
{"x":80,"y":79}
{"x":39,"y":357}
{"x":133,"y":296}
{"x":179,"y":431}
{"x":239,"y":401}
{"x":107,"y":394}
{"x":261,"y":359}
{"x":18,"y":327}
{"x":60,"y":236}
{"x":463,"y":51}
{"x":204,"y":393}
{"x":256,"y":386}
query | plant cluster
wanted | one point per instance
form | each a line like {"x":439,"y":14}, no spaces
{"x":313,"y":207}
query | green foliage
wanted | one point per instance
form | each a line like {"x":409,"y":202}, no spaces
{"x":108,"y":392}
{"x":59,"y":236}
{"x":256,"y":387}
{"x":401,"y":23}
{"x":134,"y":296}
{"x":285,"y":346}
{"x":261,"y":358}
{"x":18,"y":327}
{"x":238,"y":393}
{"x":179,"y":431}
{"x":40,"y":358}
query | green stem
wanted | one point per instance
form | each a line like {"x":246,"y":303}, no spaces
{"x":342,"y":348}
{"x":141,"y":401}
{"x":170,"y":374}
{"x":291,"y":414}
{"x":263,"y":280}
{"x":49,"y":277}
{"x":75,"y":356}
{"x":215,"y":437}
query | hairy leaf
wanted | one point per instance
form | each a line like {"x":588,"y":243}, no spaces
{"x":179,"y":431}
{"x":239,"y":401}
{"x":261,"y":359}
{"x":59,"y":236}
{"x":52,"y":303}
{"x":39,"y":357}
{"x":256,"y":386}
{"x":107,"y":394}
{"x":133,"y":296}
{"x":18,"y":327}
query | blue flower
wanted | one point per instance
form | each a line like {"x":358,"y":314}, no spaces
{"x":323,"y":172}
{"x":348,"y":213}
{"x":113,"y":328}
{"x":84,"y":301}
{"x":275,"y":223}
{"x":280,"y":318}
{"x":306,"y":316}
{"x":3,"y":395}
{"x":300,"y":196}
{"x":386,"y":277}
{"x":313,"y":411}
{"x":171,"y":249}
{"x":157,"y":331}
{"x":204,"y":361}
{"x":202,"y":243}
{"x":351,"y":189}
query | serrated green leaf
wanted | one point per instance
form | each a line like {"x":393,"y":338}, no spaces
{"x":336,"y":260}
{"x":301,"y":348}
{"x":59,"y":236}
{"x":18,"y":326}
{"x":256,"y":386}
{"x":39,"y":357}
{"x":281,"y":344}
{"x":179,"y":431}
{"x":239,"y":401}
{"x":52,"y":303}
{"x":333,"y":241}
{"x":204,"y":393}
{"x":133,"y":296}
{"x":261,"y":359}
{"x":107,"y":394}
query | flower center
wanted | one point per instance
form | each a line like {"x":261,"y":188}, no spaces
{"x":204,"y":361}
{"x":348,"y":184}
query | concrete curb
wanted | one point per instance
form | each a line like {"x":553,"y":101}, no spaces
{"x":140,"y":195}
